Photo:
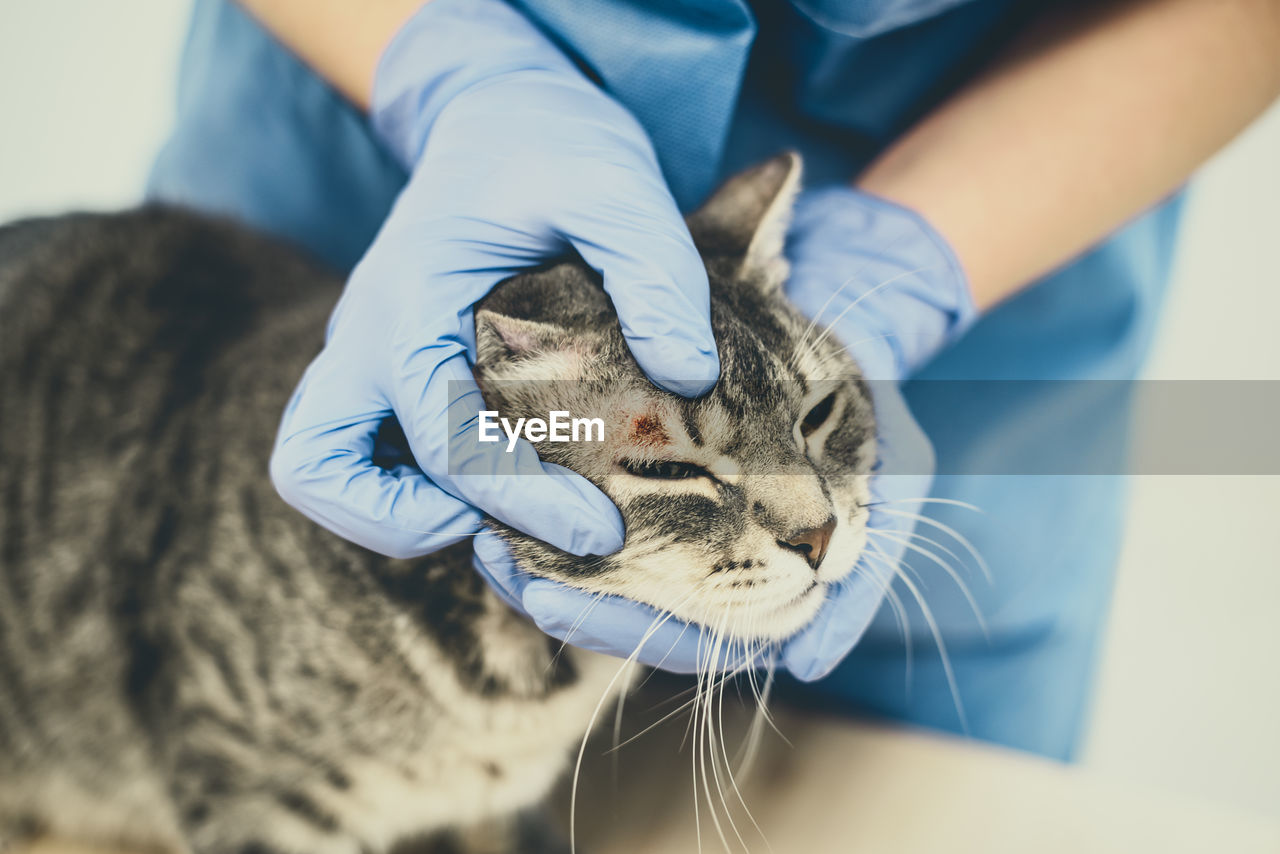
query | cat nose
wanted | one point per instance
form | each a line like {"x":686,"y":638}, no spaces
{"x":812,"y":542}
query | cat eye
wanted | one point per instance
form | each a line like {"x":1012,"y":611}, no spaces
{"x":818,"y":415}
{"x":664,"y":469}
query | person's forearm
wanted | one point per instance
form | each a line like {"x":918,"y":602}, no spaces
{"x":341,"y":39}
{"x":1073,"y":133}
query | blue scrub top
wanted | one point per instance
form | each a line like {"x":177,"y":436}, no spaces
{"x":720,"y":84}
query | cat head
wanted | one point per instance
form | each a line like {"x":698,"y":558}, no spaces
{"x":742,"y":507}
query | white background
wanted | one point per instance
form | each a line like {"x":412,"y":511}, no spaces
{"x":1189,"y":696}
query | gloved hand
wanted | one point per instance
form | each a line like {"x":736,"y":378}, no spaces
{"x":893,"y":294}
{"x":515,"y":156}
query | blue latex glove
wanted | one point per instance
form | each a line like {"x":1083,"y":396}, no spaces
{"x":894,"y":294}
{"x":515,"y":156}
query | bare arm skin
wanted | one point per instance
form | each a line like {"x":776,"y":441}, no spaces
{"x":1084,"y":124}
{"x":341,"y":39}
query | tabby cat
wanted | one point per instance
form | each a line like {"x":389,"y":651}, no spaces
{"x":187,"y":664}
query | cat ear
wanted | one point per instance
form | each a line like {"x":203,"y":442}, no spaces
{"x":749,"y":214}
{"x":499,"y":336}
{"x":545,"y":351}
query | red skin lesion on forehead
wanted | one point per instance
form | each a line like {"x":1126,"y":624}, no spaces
{"x":647,"y":429}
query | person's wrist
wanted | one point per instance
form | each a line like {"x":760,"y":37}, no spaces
{"x":901,"y":272}
{"x":434,"y":57}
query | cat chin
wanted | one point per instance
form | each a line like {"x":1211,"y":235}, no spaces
{"x":773,"y":624}
{"x":795,"y":615}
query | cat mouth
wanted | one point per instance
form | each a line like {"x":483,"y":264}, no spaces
{"x":801,"y":597}
{"x":786,"y":613}
{"x":786,"y":618}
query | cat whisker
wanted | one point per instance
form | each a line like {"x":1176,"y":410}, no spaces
{"x":706,"y":669}
{"x":851,"y":306}
{"x":697,"y":818}
{"x":947,"y":568}
{"x":900,"y":568}
{"x":762,"y":698}
{"x":664,"y":658}
{"x":942,"y":547}
{"x":895,"y":605}
{"x":722,"y":758}
{"x":843,"y":351}
{"x":709,"y":677}
{"x":900,"y":615}
{"x":667,"y":700}
{"x":724,"y":676}
{"x":750,"y":747}
{"x":617,"y":736}
{"x":716,"y":754}
{"x":677,"y":710}
{"x":659,"y":722}
{"x":713,"y":747}
{"x":577,"y":624}
{"x":930,"y":500}
{"x":916,"y":535}
{"x":802,"y":345}
{"x":658,"y":622}
{"x":936,"y":632}
{"x":948,"y":530}
{"x":850,"y":280}
{"x":709,"y":743}
{"x":728,"y":767}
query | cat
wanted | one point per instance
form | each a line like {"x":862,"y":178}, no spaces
{"x":188,"y":664}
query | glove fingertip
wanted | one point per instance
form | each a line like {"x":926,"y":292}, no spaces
{"x":689,"y":370}
{"x":812,"y":671}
